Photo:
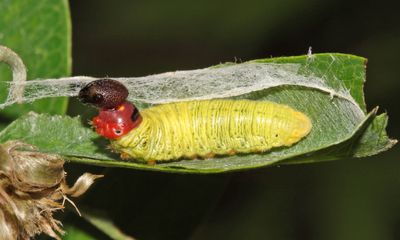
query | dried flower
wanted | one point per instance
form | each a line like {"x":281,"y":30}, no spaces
{"x":32,"y":187}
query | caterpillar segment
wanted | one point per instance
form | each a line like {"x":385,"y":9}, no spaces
{"x":208,"y":128}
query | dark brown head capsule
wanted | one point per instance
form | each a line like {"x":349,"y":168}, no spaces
{"x":104,"y":93}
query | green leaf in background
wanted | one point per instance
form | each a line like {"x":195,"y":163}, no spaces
{"x":107,"y":227}
{"x":73,"y":233}
{"x":40,"y":33}
{"x":339,"y":122}
{"x":92,"y":227}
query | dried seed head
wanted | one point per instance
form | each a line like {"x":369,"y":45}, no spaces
{"x":31,"y":171}
{"x":32,"y":187}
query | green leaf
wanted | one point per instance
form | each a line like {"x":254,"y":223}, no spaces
{"x":92,"y":227}
{"x":107,"y":226}
{"x":335,"y":106}
{"x":40,"y":33}
{"x":337,"y":69}
{"x":72,"y":233}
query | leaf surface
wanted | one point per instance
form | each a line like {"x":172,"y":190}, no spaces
{"x":40,"y":33}
{"x":335,"y":105}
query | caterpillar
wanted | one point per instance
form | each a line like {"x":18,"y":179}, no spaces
{"x":191,"y":129}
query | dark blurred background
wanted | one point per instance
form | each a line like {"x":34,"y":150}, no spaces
{"x":347,"y":199}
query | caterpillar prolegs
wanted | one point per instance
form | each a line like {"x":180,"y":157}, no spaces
{"x":211,"y":127}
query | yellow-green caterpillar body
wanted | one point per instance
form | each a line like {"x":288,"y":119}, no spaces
{"x":211,"y":127}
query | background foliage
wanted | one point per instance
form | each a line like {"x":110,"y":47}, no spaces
{"x":40,"y":32}
{"x":349,"y":199}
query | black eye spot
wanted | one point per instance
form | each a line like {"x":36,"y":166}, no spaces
{"x":104,"y":93}
{"x":117,"y":131}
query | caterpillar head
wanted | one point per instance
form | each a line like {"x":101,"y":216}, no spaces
{"x":116,"y":115}
{"x":116,"y":122}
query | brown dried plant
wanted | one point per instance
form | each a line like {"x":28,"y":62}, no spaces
{"x":32,"y":187}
